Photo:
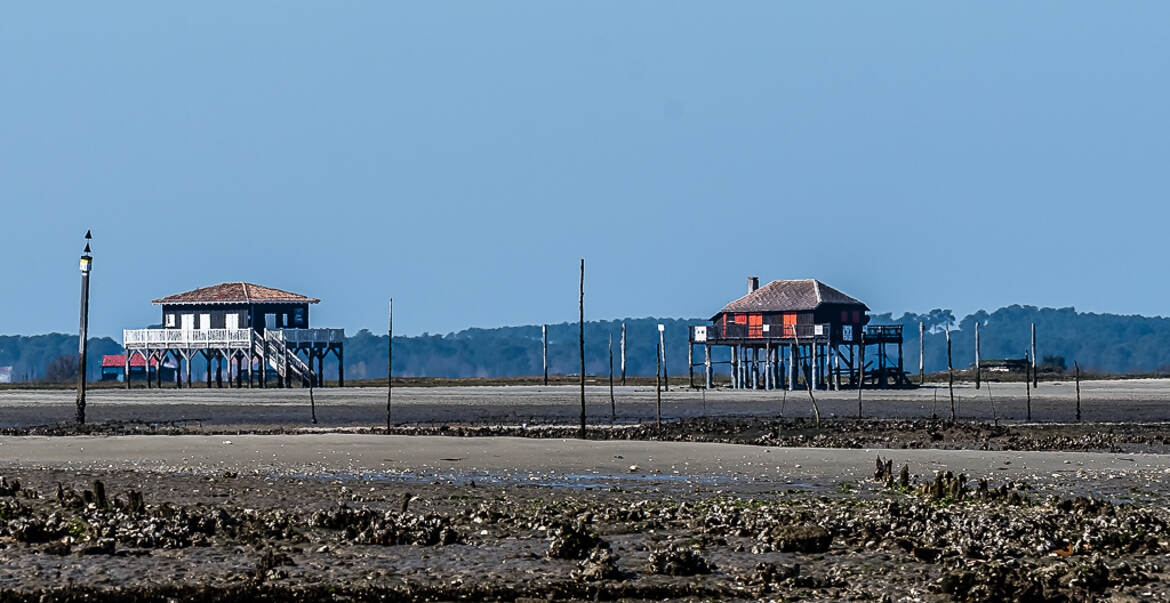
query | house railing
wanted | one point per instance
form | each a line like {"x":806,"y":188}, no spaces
{"x":875,"y":332}
{"x":703,"y":333}
{"x":309,"y":335}
{"x":186,"y":338}
{"x":223,"y":338}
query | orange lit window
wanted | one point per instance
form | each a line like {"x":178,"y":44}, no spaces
{"x":755,"y":325}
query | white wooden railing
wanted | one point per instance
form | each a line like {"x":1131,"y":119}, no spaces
{"x":227,"y":338}
{"x":310,"y":335}
{"x":186,"y":338}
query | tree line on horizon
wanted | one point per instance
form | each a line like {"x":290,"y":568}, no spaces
{"x":1104,"y":343}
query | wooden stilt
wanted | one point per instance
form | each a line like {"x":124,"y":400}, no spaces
{"x":950,"y":374}
{"x":1035,"y":378}
{"x":623,"y":353}
{"x":707,"y":364}
{"x":690,"y":359}
{"x":792,"y":367}
{"x":977,"y":371}
{"x":921,"y":354}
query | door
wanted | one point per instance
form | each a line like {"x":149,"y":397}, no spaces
{"x":188,"y":322}
{"x":269,"y":321}
{"x":232,"y":321}
{"x":204,"y":322}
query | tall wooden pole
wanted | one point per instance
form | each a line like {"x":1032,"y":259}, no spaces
{"x":581,"y":342}
{"x":658,"y":385}
{"x":950,"y":373}
{"x":977,"y":355}
{"x":1035,"y":378}
{"x":662,"y":353}
{"x":860,"y":372}
{"x":82,"y":343}
{"x":544,"y":351}
{"x":921,"y":354}
{"x":623,"y":352}
{"x":1077,"y":368}
{"x":1028,"y":384}
{"x":612,"y":402}
{"x":390,"y":361}
{"x":691,"y":362}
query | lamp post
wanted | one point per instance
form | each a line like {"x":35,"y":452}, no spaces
{"x":82,"y":344}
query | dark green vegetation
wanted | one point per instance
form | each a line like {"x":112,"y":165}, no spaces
{"x":1100,"y":343}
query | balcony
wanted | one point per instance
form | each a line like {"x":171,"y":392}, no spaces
{"x":137,"y":339}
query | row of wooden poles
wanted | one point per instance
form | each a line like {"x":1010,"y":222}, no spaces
{"x":662,"y":379}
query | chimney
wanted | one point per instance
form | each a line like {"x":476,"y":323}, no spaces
{"x":753,"y":283}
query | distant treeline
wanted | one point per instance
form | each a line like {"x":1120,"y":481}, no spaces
{"x":1099,"y":342}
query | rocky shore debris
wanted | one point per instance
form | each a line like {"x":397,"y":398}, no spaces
{"x":677,"y":560}
{"x":574,"y":542}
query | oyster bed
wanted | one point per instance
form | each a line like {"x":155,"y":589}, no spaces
{"x":133,"y":536}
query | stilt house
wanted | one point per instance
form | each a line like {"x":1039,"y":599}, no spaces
{"x":799,"y":330}
{"x":255,"y":329}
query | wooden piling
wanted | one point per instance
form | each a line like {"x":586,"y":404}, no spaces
{"x":1028,"y":385}
{"x":623,"y":352}
{"x":921,"y":354}
{"x":707,"y":363}
{"x":860,"y":370}
{"x":544,"y":351}
{"x":662,"y":353}
{"x":612,"y":403}
{"x":390,"y":361}
{"x":977,"y":355}
{"x":950,"y":374}
{"x":1035,"y":377}
{"x":690,"y":362}
{"x":658,"y":386}
{"x":1077,"y":369}
{"x":581,"y":343}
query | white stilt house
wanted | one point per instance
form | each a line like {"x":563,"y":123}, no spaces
{"x":254,"y":329}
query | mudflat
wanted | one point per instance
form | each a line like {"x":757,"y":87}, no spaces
{"x":370,"y":517}
{"x":1101,"y":401}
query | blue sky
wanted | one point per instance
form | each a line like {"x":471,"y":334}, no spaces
{"x":461,"y":157}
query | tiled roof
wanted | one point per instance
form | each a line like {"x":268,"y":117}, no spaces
{"x":236,"y":293}
{"x":790,"y":296}
{"x":119,"y":361}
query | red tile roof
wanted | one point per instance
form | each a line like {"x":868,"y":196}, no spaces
{"x":236,"y":293}
{"x":790,"y":296}
{"x":119,"y":361}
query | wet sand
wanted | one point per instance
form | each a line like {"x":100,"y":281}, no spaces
{"x":667,"y":466}
{"x":1113,"y":400}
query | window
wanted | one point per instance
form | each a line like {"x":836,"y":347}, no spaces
{"x":299,"y":317}
{"x":740,"y":318}
{"x":857,"y":316}
{"x":170,"y":320}
{"x":755,"y":325}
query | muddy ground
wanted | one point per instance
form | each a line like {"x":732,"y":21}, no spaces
{"x":1101,"y":401}
{"x":233,"y":496}
{"x":118,"y":535}
{"x":372,"y":517}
